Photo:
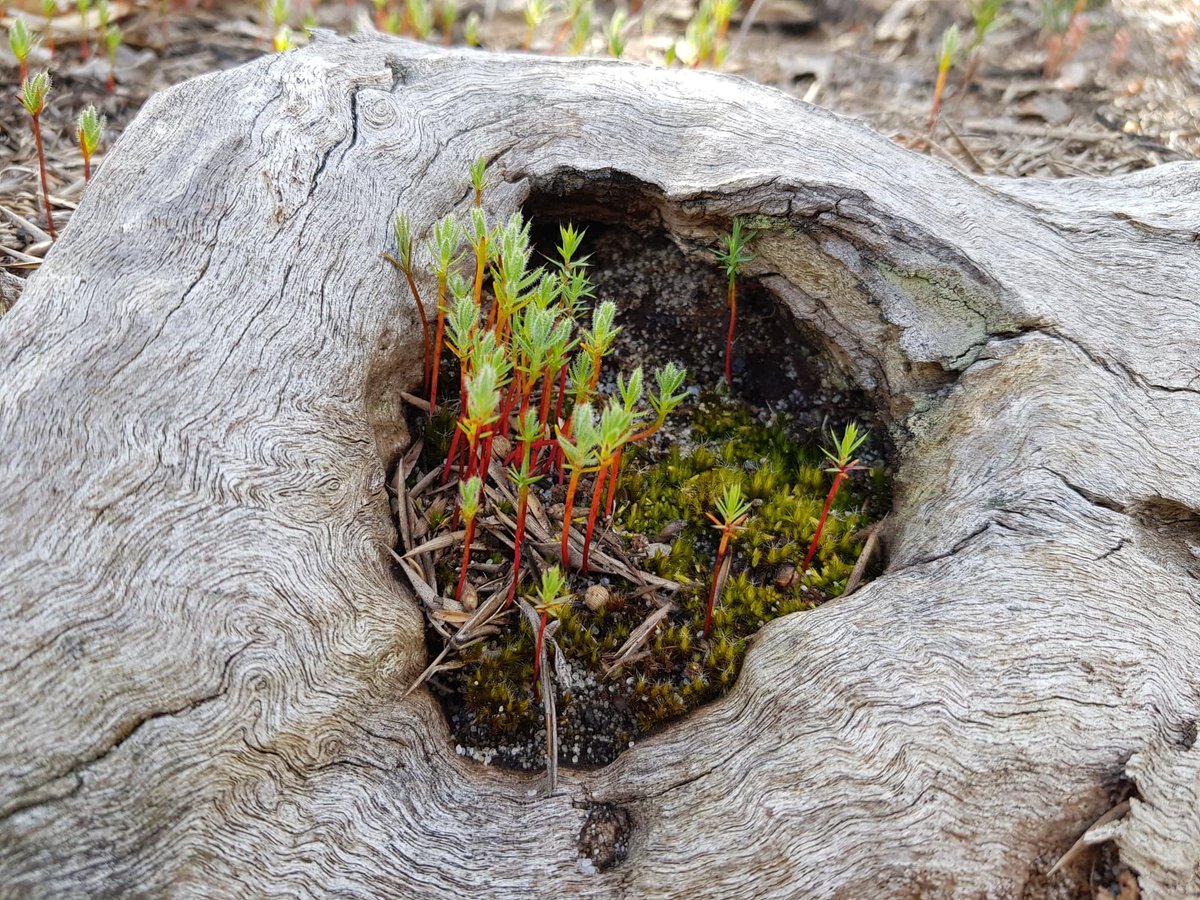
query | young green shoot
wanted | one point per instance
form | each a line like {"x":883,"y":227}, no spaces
{"x":471,"y":29}
{"x":535,"y":13}
{"x":616,"y":428}
{"x":403,"y":260}
{"x":733,"y":508}
{"x":614,"y":34}
{"x":984,"y":15}
{"x":732,"y":257}
{"x":21,"y":42}
{"x":844,"y":463}
{"x":552,"y":595}
{"x":282,"y":41}
{"x":33,"y":98}
{"x":597,"y":342}
{"x":89,"y":131}
{"x":112,"y":42}
{"x":946,"y":58}
{"x":448,"y":16}
{"x":420,"y":18}
{"x":581,"y":29}
{"x":468,"y":505}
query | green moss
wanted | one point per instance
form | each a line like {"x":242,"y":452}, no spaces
{"x":782,"y":471}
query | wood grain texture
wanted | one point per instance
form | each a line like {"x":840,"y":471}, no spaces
{"x":204,"y":649}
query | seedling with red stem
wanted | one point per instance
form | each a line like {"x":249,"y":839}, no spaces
{"x":552,"y":597}
{"x":733,"y":508}
{"x":21,"y":42}
{"x":844,"y":463}
{"x":33,"y":98}
{"x":597,"y":342}
{"x":91,"y":127}
{"x":669,"y":380}
{"x":403,"y":260}
{"x":985,"y":14}
{"x":616,"y":428}
{"x":579,"y":456}
{"x":732,"y":257}
{"x":949,"y":52}
{"x":112,"y":42}
{"x":468,"y":505}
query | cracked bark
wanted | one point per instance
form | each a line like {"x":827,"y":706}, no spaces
{"x":205,"y":509}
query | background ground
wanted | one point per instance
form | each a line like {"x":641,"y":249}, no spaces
{"x":1129,"y":98}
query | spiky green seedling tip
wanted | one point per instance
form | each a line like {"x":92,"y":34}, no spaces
{"x":91,"y":128}
{"x":33,"y":92}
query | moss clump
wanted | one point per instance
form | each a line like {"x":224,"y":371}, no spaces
{"x":665,"y":496}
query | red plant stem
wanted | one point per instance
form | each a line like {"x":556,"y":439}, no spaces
{"x":437,"y":345}
{"x":37,"y":139}
{"x":412,"y":286}
{"x":712,"y":592}
{"x":729,"y":337}
{"x":518,"y":539}
{"x":593,"y":513}
{"x":537,"y":652}
{"x":937,"y":98}
{"x":87,"y":169}
{"x":812,"y":549}
{"x":111,"y":84}
{"x":485,"y":459}
{"x":548,"y":379}
{"x":567,"y":507}
{"x":466,"y":558}
{"x":24,"y":71}
{"x":614,"y":474}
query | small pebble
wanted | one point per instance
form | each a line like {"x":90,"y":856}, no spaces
{"x":785,"y":576}
{"x":596,"y":597}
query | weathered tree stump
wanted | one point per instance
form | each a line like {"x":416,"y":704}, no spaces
{"x":205,"y":650}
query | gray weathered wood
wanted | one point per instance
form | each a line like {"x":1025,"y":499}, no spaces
{"x":204,"y":651}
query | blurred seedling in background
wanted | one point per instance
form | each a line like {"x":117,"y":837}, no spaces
{"x":535,"y":12}
{"x":615,"y":33}
{"x":985,"y":15}
{"x":951,"y":47}
{"x":112,"y":43}
{"x":21,"y":42}
{"x":89,"y":131}
{"x":49,"y":8}
{"x":34,"y":91}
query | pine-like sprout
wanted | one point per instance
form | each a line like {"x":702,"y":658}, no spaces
{"x":468,"y":504}
{"x":535,"y":13}
{"x":84,"y":6}
{"x":471,"y":29}
{"x":449,"y":15}
{"x":614,"y":34}
{"x":949,"y":52}
{"x":732,"y":256}
{"x":33,"y":97}
{"x":112,"y":41}
{"x":732,"y":508}
{"x":404,"y":262}
{"x":479,"y":179}
{"x":89,"y":131}
{"x":420,"y":17}
{"x":21,"y":41}
{"x":842,"y":457}
{"x":599,"y":340}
